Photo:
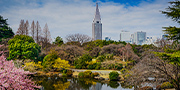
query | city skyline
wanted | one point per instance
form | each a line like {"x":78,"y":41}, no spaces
{"x":75,"y":16}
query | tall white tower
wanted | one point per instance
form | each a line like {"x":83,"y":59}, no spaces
{"x":97,"y":25}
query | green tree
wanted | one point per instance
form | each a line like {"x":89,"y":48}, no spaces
{"x":23,"y":47}
{"x":173,"y":13}
{"x":113,"y":75}
{"x":58,"y":41}
{"x":5,"y":31}
{"x":81,"y":62}
{"x":49,"y":60}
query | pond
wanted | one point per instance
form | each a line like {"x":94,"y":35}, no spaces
{"x":57,"y":83}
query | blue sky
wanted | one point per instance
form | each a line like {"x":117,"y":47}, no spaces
{"x":75,"y":16}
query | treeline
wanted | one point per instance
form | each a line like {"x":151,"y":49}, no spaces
{"x":41,"y":37}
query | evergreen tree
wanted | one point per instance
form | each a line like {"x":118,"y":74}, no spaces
{"x":5,"y":31}
{"x":58,"y":41}
{"x":173,"y":12}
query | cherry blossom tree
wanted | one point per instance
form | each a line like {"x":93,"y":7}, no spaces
{"x":12,"y":78}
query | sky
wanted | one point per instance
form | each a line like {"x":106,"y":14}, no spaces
{"x":66,"y":17}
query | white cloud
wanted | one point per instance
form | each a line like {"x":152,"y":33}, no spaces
{"x":75,"y":16}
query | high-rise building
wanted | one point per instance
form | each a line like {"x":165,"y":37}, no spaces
{"x":97,"y":25}
{"x":139,"y":37}
{"x":132,"y":39}
{"x":125,"y":36}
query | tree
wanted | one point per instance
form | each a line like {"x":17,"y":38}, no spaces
{"x":23,"y":47}
{"x":3,"y":22}
{"x":38,"y":33}
{"x":71,"y":52}
{"x":172,"y":57}
{"x":58,"y":41}
{"x":33,"y":27}
{"x":46,"y":35}
{"x":5,"y":31}
{"x":13,"y":78}
{"x":78,"y":37}
{"x":173,"y":12}
{"x":49,"y":60}
{"x":26,"y":28}
{"x":81,"y":62}
{"x":21,"y":29}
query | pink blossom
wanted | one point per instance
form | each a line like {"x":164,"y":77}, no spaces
{"x":14,"y":78}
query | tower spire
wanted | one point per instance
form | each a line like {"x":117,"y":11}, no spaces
{"x":97,"y":14}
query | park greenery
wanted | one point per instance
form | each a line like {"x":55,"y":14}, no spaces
{"x":137,"y":63}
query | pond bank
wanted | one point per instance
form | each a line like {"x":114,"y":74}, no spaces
{"x":103,"y":74}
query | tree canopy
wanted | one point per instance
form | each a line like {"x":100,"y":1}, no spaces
{"x":5,"y":31}
{"x":23,"y":47}
{"x":173,"y":13}
{"x":58,"y":41}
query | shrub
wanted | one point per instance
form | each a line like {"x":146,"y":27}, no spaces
{"x":81,"y":62}
{"x":166,"y":85}
{"x":81,"y":74}
{"x":87,"y":74}
{"x":69,"y":73}
{"x":61,"y":64}
{"x":98,"y":65}
{"x":95,"y":51}
{"x":49,"y":60}
{"x":113,"y":75}
{"x":101,"y":58}
{"x":32,"y":66}
{"x":112,"y":64}
{"x":64,"y":75}
{"x":123,"y":71}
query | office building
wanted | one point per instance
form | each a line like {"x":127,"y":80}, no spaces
{"x":97,"y":25}
{"x":125,"y":36}
{"x":139,"y":37}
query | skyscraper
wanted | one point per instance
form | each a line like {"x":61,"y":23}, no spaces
{"x":97,"y":25}
{"x":139,"y":37}
{"x":125,"y":36}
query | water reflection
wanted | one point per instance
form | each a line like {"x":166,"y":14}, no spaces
{"x":57,"y":83}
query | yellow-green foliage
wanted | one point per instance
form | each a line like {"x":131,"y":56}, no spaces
{"x":91,"y":62}
{"x":166,"y":85}
{"x":88,"y":74}
{"x":32,"y":66}
{"x":49,"y":60}
{"x":61,"y":64}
